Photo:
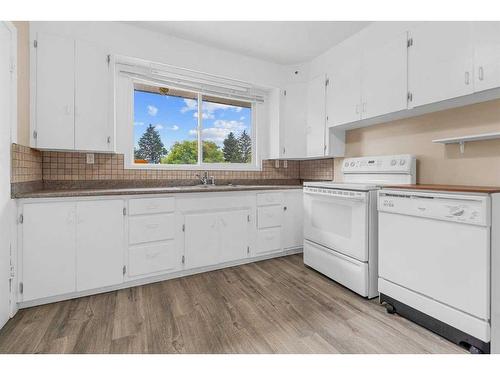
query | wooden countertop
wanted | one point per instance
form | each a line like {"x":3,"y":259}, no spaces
{"x":454,"y":188}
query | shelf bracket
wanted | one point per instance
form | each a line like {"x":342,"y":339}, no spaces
{"x":462,"y":146}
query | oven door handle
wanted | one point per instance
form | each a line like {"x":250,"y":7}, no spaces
{"x":339,"y":197}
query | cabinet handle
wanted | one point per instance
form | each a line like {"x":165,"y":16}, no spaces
{"x":284,"y":208}
{"x":481,"y":73}
{"x":467,"y":78}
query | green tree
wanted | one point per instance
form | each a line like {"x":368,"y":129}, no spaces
{"x":231,"y":149}
{"x":212,"y":153}
{"x":185,"y":152}
{"x":245,"y":147}
{"x":151,"y":147}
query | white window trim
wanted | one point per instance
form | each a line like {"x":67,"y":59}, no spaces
{"x":255,"y":165}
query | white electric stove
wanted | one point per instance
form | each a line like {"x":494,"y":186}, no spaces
{"x":340,"y":219}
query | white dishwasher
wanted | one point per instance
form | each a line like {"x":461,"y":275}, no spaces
{"x":434,"y":262}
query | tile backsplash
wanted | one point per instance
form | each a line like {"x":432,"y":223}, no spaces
{"x":50,"y":166}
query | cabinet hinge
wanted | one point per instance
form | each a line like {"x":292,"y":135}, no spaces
{"x":284,"y":92}
{"x":124,"y":211}
{"x":183,"y":227}
{"x":183,"y":259}
{"x":327,"y":81}
{"x":410,"y":96}
{"x":21,"y":219}
{"x":35,"y":134}
{"x":12,"y":273}
{"x":409,"y":42}
{"x":284,"y":150}
{"x":124,"y":270}
{"x":35,"y":43}
{"x":21,"y":288}
{"x":108,"y":140}
{"x":248,"y":218}
{"x":108,"y":59}
{"x":248,"y":249}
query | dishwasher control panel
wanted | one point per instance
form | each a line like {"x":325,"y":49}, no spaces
{"x":467,"y":209}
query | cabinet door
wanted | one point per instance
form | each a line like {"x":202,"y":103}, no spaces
{"x":344,"y":90}
{"x":384,"y":78}
{"x":293,"y":121}
{"x":293,"y":231}
{"x":92,"y":98}
{"x":48,"y":252}
{"x":440,"y":62}
{"x":201,"y":240}
{"x":54,"y":92}
{"x":234,"y":235}
{"x":99,"y":244}
{"x":487,"y":55}
{"x":316,"y":116}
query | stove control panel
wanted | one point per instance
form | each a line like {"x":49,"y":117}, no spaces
{"x":379,"y":164}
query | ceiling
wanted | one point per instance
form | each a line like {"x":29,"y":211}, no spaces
{"x":282,"y":42}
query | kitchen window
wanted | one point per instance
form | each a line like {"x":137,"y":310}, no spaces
{"x":170,"y":130}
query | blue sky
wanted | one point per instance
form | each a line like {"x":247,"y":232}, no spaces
{"x":176,"y":118}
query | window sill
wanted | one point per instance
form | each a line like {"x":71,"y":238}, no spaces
{"x":195,"y":167}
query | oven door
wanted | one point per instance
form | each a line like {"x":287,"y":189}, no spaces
{"x":338,"y":221}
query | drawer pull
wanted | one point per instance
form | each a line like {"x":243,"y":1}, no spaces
{"x":153,"y":255}
{"x":152,"y":226}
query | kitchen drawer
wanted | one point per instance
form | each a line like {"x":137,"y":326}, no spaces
{"x":269,"y":216}
{"x":153,"y":258}
{"x":151,"y":205}
{"x":151,"y":228}
{"x":266,"y":199}
{"x":345,"y":270}
{"x":268,"y":240}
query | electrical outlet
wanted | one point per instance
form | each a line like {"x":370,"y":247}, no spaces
{"x":285,"y":164}
{"x":90,"y":158}
{"x":276,"y":164}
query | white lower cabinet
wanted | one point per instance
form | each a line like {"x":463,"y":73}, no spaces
{"x":70,"y":247}
{"x":219,"y":237}
{"x":99,"y":244}
{"x":48,"y":250}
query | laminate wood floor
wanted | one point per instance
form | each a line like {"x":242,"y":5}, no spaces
{"x":273,"y":306}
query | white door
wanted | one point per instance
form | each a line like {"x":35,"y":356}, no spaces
{"x":338,"y":223}
{"x":440,"y":62}
{"x":234,"y":235}
{"x":55,"y":74}
{"x":92,"y":98}
{"x":99,"y":244}
{"x":384,"y":78}
{"x":201,"y":240}
{"x":487,"y":55}
{"x":316,"y":116}
{"x":294,"y":121}
{"x":293,"y":219}
{"x":343,"y":103}
{"x":48,"y":254}
{"x":6,"y":205}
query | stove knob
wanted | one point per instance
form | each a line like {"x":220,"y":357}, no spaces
{"x":393,"y":162}
{"x":352,"y":164}
{"x":402,"y":162}
{"x":346,"y":164}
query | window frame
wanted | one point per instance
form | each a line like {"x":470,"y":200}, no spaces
{"x":254,"y":165}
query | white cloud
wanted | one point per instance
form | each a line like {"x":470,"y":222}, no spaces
{"x":158,"y":126}
{"x":237,"y":109}
{"x":208,"y":108}
{"x":138,"y":123}
{"x":242,"y":118}
{"x":204,"y":115}
{"x":173,"y":128}
{"x":220,"y":130}
{"x":152,"y":110}
{"x":189,"y":105}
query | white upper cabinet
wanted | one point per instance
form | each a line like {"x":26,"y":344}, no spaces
{"x":316,"y":117}
{"x":93,"y":130}
{"x":441,"y":62}
{"x":344,"y":90}
{"x":293,"y":121}
{"x":54,"y":93}
{"x":487,"y":55}
{"x":384,"y":78}
{"x":71,"y":100}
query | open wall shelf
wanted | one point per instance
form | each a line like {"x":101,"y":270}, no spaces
{"x":468,"y":138}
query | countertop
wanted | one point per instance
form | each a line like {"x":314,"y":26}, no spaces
{"x":452,"y":188}
{"x":63,"y":193}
